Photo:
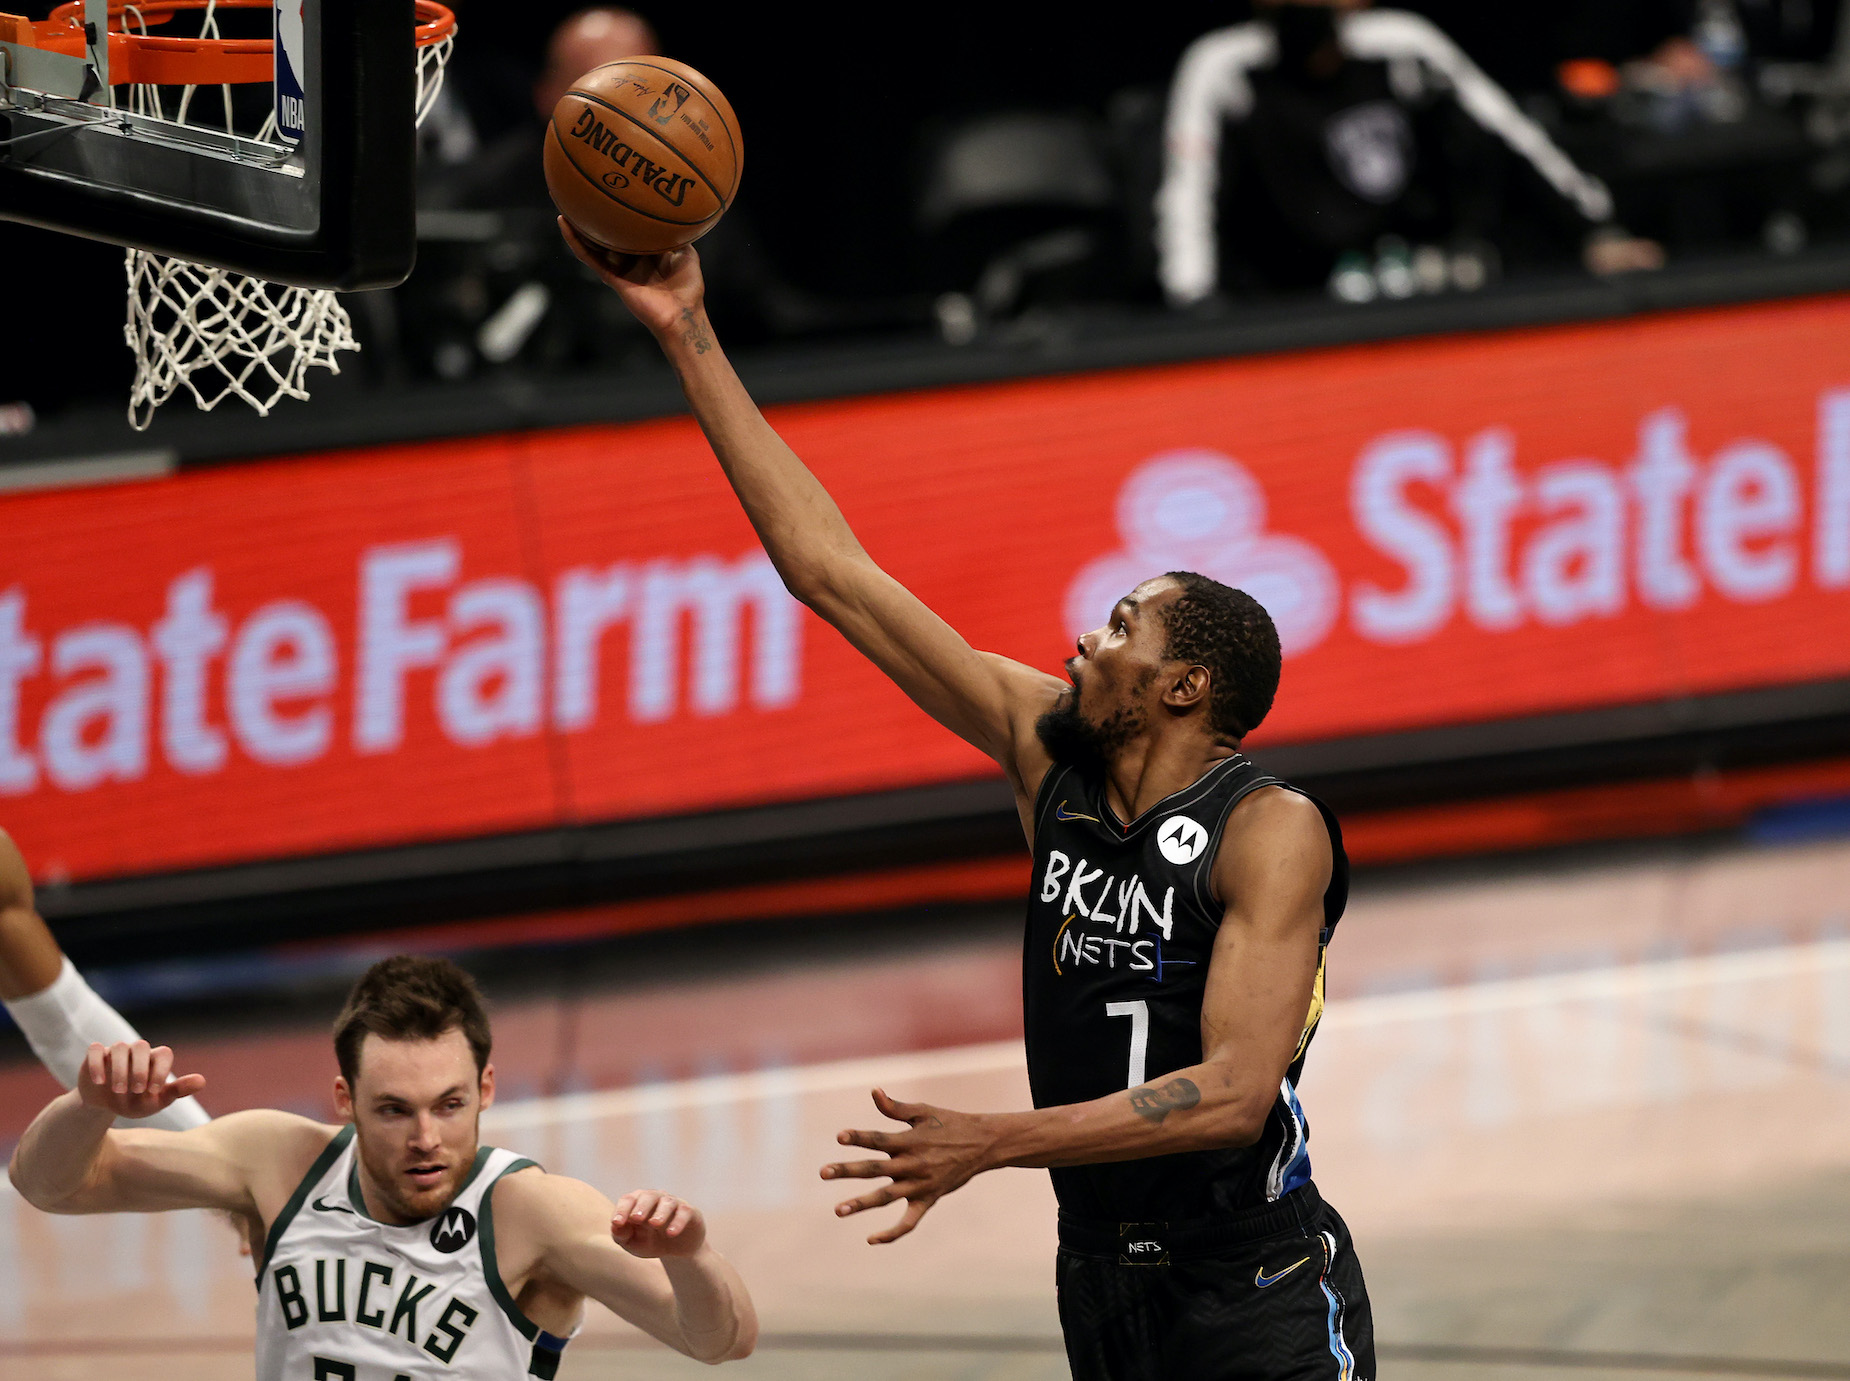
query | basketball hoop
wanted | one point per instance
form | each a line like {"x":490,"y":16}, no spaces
{"x":213,"y":332}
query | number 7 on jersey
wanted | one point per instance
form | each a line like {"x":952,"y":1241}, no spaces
{"x":1139,"y":1013}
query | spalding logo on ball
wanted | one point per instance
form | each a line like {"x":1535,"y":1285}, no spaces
{"x":643,"y":155}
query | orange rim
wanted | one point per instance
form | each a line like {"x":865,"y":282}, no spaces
{"x":138,"y":57}
{"x":434,"y":23}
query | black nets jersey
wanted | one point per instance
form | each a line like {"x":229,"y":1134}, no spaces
{"x":1121,"y":925}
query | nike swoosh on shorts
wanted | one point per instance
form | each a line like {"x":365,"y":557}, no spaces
{"x":1261,"y":1279}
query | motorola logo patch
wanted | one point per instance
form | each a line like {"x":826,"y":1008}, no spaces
{"x":453,"y":1230}
{"x":1181,"y":839}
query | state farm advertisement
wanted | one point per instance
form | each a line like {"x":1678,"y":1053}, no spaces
{"x":465,"y":638}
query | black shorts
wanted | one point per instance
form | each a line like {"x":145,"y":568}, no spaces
{"x":1274,"y":1294}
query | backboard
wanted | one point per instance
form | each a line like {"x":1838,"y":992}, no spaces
{"x":273,"y":138}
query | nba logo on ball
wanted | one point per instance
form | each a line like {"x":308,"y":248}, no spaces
{"x":1181,"y":839}
{"x":668,"y":105}
{"x":291,"y":62}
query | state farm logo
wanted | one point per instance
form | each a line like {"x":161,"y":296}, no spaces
{"x":498,"y":658}
{"x":1199,"y":510}
{"x":1181,"y":839}
{"x":1472,"y":532}
{"x":1448,"y":531}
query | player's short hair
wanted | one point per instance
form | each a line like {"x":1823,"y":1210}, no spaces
{"x":406,"y":998}
{"x":1228,"y":632}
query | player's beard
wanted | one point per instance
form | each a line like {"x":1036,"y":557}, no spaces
{"x":404,"y":1201}
{"x":1070,"y":738}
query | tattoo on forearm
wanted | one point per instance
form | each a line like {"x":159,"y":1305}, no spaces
{"x":693,"y":336}
{"x":1153,"y":1104}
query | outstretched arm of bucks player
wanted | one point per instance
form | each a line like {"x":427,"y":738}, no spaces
{"x":48,"y":999}
{"x":70,"y":1161}
{"x":989,"y":701}
{"x":646,"y":1258}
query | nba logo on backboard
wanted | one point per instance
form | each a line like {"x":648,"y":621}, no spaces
{"x":291,"y":63}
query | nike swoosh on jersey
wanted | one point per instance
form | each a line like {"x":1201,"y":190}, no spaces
{"x":1060,"y":812}
{"x":1261,"y":1279}
{"x":333,"y":1208}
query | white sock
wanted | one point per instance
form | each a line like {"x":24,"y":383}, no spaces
{"x":62,"y":1020}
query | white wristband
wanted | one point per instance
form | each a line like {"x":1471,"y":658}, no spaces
{"x":60,"y":1022}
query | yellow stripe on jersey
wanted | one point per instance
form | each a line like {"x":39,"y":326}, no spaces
{"x":1315,"y":1014}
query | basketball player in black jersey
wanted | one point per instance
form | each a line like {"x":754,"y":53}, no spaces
{"x":1172,"y":971}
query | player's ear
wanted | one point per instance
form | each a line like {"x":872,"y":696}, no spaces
{"x":488,"y":1086}
{"x":1188,"y":690}
{"x":343,"y":1098}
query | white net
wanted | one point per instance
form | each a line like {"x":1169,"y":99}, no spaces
{"x":222,"y":335}
{"x":219,"y":334}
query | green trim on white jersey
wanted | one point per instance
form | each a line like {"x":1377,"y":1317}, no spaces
{"x":491,"y":1268}
{"x":329,"y":1154}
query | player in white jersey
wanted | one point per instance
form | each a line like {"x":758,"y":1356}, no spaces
{"x":396,"y":1247}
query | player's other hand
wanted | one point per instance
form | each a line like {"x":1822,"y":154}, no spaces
{"x":660,"y":289}
{"x":941,"y":1152}
{"x":131,"y":1079}
{"x":649,"y":1224}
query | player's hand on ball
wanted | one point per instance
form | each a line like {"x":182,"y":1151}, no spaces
{"x":940,"y":1153}
{"x":660,"y":289}
{"x":130,"y":1079}
{"x":649,"y":1224}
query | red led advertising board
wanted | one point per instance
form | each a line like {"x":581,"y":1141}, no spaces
{"x":461,"y":638}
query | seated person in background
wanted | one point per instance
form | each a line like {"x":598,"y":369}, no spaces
{"x":507,"y":172}
{"x":508,"y":176}
{"x":1322,"y":126}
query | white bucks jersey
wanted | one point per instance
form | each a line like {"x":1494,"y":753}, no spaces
{"x":342,"y":1297}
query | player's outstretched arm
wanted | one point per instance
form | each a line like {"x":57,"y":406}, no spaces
{"x":988,"y":700}
{"x":69,"y":1161}
{"x":559,"y":1231}
{"x":57,"y":1011}
{"x":1273,"y":867}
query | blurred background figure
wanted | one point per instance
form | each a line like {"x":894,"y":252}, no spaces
{"x":1692,"y":112}
{"x":1031,"y":194}
{"x":505,"y":172}
{"x":495,"y":290}
{"x":1325,"y":142}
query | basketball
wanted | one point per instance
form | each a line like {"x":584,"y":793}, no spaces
{"x":643,"y":155}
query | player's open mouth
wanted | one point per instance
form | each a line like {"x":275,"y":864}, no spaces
{"x":424,"y":1176}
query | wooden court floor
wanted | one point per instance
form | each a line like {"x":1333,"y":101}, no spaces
{"x":1607,"y":1134}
